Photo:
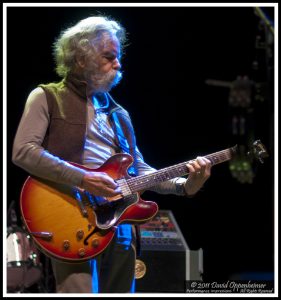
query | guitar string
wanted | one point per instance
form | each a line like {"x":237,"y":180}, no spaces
{"x":217,"y":156}
{"x":168,"y":173}
{"x":133,"y":185}
{"x":162,"y":174}
{"x":136,"y":184}
{"x":160,"y":177}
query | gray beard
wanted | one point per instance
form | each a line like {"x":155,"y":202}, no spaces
{"x":102,"y":83}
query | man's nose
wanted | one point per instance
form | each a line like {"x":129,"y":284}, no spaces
{"x":116,"y":64}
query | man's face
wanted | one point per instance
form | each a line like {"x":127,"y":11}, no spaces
{"x":102,"y":71}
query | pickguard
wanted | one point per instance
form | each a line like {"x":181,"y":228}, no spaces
{"x":108,"y":214}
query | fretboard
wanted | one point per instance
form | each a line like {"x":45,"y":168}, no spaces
{"x":144,"y":182}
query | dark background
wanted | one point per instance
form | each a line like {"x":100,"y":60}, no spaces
{"x":177,"y":116}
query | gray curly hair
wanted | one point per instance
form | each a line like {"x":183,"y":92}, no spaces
{"x":74,"y":42}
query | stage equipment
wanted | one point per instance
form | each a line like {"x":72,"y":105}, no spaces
{"x":166,"y":262}
{"x":22,"y":257}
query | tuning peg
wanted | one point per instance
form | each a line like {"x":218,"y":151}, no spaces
{"x":260,"y":151}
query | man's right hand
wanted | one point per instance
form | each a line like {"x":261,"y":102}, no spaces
{"x":100,"y":184}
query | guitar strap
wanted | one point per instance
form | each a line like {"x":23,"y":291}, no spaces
{"x":124,"y":132}
{"x":126,"y":137}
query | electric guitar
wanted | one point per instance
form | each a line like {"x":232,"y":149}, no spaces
{"x":72,"y":225}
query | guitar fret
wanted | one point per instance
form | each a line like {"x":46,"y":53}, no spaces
{"x":146,"y":181}
{"x":219,"y":157}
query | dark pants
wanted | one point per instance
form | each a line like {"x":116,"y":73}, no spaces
{"x":110,"y":272}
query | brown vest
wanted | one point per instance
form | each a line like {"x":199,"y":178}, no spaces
{"x":65,"y":136}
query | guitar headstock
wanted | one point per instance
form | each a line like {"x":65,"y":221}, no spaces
{"x":258,"y":151}
{"x":242,"y":165}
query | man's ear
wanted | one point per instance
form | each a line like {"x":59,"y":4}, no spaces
{"x":80,"y":62}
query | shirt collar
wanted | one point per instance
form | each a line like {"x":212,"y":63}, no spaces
{"x":77,"y":85}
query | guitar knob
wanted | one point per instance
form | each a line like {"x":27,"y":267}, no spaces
{"x":81,"y":252}
{"x":95,"y":243}
{"x":66,"y":245}
{"x":80,"y":234}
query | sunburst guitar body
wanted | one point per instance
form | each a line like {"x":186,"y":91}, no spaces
{"x":70,"y":224}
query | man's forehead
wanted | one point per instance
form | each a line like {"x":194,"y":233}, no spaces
{"x":109,"y":43}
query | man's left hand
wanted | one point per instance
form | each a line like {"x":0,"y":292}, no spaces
{"x":199,"y":172}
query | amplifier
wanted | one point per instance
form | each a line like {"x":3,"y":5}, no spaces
{"x":166,"y":261}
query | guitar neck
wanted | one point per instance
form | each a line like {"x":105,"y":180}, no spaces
{"x":144,"y":182}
